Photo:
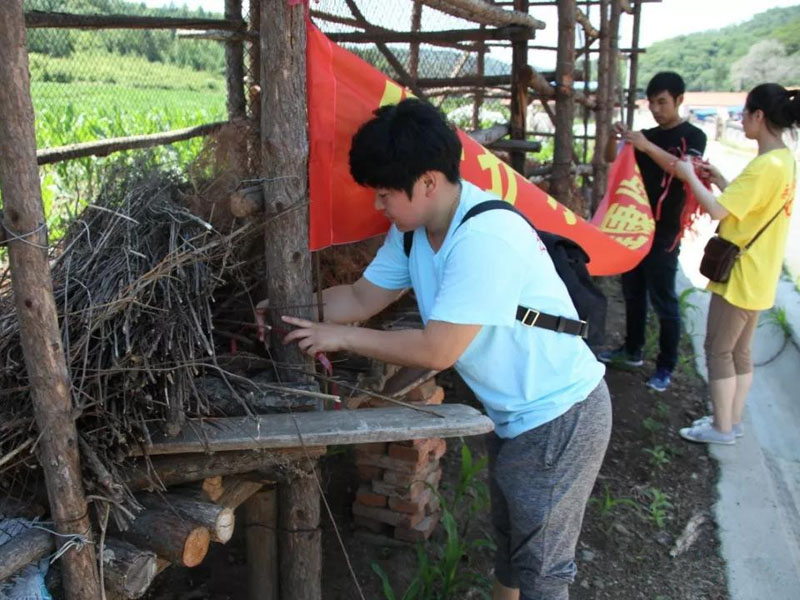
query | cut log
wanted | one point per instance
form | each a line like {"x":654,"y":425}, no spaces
{"x":238,"y":488}
{"x":174,"y":470}
{"x":128,"y":570}
{"x":23,"y":549}
{"x":212,"y":487}
{"x":261,"y":519}
{"x":172,"y":537}
{"x":190,"y":505}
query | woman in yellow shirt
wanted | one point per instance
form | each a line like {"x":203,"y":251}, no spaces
{"x":764,"y":189}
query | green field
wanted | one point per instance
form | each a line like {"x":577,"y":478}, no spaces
{"x":92,"y":96}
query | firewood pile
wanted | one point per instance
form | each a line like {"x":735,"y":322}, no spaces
{"x":138,"y":282}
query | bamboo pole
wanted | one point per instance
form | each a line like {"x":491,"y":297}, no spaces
{"x":36,"y":310}
{"x":37,"y":19}
{"x":561,"y":178}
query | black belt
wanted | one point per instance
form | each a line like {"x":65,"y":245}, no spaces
{"x":533,"y":318}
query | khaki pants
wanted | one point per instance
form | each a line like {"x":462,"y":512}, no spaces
{"x":729,"y":335}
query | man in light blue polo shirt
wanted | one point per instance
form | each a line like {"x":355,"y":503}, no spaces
{"x":474,"y":279}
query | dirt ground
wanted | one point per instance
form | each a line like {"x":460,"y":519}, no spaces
{"x":651,"y":484}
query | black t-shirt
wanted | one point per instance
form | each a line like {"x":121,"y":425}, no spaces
{"x":671,"y":140}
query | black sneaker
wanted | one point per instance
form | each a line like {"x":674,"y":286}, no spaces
{"x":621,"y":356}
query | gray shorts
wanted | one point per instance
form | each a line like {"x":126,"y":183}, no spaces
{"x":540,"y":482}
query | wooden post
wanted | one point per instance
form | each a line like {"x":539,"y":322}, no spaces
{"x":261,"y":524}
{"x":254,"y":86}
{"x":234,"y":76}
{"x":480,"y":71}
{"x":299,"y":538}
{"x":36,"y":310}
{"x":519,"y":91}
{"x":603,"y":95}
{"x":561,"y":179}
{"x":413,"y":49}
{"x":634,"y":69}
{"x":284,"y":153}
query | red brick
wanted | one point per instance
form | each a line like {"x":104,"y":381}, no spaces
{"x":388,"y":516}
{"x":367,"y":473}
{"x":420,"y":532}
{"x":371,"y":449}
{"x":438,"y":449}
{"x":437,"y":397}
{"x":411,"y":506}
{"x":408,"y":476}
{"x":404,"y":492}
{"x":367,"y":497}
{"x":416,"y":453}
{"x":370,"y":524}
{"x":393,"y":464}
{"x":422,"y":392}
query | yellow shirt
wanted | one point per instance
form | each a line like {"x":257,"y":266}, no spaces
{"x":752,"y":199}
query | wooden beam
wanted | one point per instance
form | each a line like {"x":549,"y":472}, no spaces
{"x":520,"y":75}
{"x":161,"y":472}
{"x":633,"y":77}
{"x":588,"y":28}
{"x":413,"y":49}
{"x":479,"y":11}
{"x":36,"y":309}
{"x":106,"y":147}
{"x":321,"y":429}
{"x":510,"y":32}
{"x":35,"y":19}
{"x":490,"y":135}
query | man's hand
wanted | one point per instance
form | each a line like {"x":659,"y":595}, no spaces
{"x":637,"y":139}
{"x":312,"y":337}
{"x":618,"y":129}
{"x":684,"y":169}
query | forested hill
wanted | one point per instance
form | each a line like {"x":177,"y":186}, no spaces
{"x":765,"y":48}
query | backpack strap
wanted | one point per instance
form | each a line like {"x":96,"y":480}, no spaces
{"x":408,"y":241}
{"x":529,"y":317}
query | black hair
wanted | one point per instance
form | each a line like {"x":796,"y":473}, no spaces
{"x":666,"y":81}
{"x":781,"y":107}
{"x":403,"y":141}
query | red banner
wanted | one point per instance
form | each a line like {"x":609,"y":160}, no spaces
{"x":343,"y":92}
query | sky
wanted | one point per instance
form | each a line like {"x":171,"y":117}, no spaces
{"x":660,"y":20}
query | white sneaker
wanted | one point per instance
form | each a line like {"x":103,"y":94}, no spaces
{"x":704,"y":433}
{"x":738,"y":428}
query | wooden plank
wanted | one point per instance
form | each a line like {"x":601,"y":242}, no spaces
{"x":322,"y":429}
{"x":427,"y":37}
{"x":261,"y":534}
{"x":516,"y":146}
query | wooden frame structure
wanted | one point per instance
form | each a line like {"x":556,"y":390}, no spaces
{"x":271,"y":99}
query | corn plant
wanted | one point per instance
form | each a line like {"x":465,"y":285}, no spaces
{"x":658,"y":507}
{"x":441,"y":570}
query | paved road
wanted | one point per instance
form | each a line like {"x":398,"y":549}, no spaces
{"x":758,"y":510}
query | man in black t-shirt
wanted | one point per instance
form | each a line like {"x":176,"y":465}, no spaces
{"x":654,"y":278}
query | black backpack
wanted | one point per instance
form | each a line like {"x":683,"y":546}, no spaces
{"x":570,"y":261}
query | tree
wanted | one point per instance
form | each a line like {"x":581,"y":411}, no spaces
{"x":765,"y":62}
